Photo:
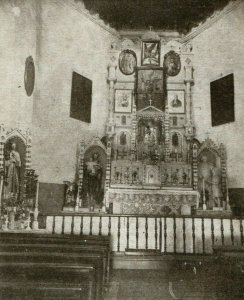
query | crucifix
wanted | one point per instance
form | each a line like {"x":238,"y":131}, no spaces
{"x":150,"y":101}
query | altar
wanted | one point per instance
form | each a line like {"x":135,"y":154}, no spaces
{"x":153,"y":201}
{"x":149,"y":160}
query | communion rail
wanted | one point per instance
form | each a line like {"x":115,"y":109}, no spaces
{"x":185,"y":235}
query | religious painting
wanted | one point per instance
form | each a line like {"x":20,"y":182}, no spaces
{"x":172,"y":63}
{"x":176,"y":102}
{"x":150,"y":88}
{"x":127,"y":62}
{"x":123,"y":101}
{"x":81,"y":98}
{"x":150,"y":53}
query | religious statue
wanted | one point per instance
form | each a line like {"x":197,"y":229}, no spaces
{"x":93,"y":181}
{"x":12,"y":179}
{"x":209,"y":182}
{"x":150,"y":140}
{"x":70,"y":194}
{"x":112,"y":66}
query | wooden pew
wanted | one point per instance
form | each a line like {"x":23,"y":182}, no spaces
{"x":49,"y":280}
{"x":33,"y":238}
{"x":47,"y":248}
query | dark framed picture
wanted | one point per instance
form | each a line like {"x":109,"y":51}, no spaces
{"x":150,"y":53}
{"x":176,"y":101}
{"x":81,"y":98}
{"x":127,"y":62}
{"x":123,"y":101}
{"x":172,"y":63}
{"x":29,"y":78}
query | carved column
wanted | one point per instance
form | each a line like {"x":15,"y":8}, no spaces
{"x":189,"y":128}
{"x":133,"y":124}
{"x":28,"y":150}
{"x":167,"y":135}
{"x":194,"y":166}
{"x":81,"y":169}
{"x":112,"y":77}
{"x":108,"y":172}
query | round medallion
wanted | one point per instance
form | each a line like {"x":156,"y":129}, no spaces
{"x":127,"y":62}
{"x":172,"y":63}
{"x":29,"y":75}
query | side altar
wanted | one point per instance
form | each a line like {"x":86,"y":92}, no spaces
{"x":149,"y":161}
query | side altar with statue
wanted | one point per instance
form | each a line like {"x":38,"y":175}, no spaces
{"x":149,"y":161}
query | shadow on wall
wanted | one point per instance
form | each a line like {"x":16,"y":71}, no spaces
{"x":51,"y":197}
{"x":237,"y":201}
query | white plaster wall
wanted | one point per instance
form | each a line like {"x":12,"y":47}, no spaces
{"x":69,"y":42}
{"x":17,"y":42}
{"x":218,"y":52}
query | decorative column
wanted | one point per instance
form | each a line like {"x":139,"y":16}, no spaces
{"x":133,"y":124}
{"x":194,"y":166}
{"x":2,"y":142}
{"x":108,"y":173}
{"x":112,"y":66}
{"x":81,"y":167}
{"x":35,"y":224}
{"x":167,"y":135}
{"x":224,"y":183}
{"x":28,"y":149}
{"x":189,"y":128}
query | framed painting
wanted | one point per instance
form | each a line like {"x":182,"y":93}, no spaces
{"x":176,"y":102}
{"x":150,"y":88}
{"x":123,"y":101}
{"x":127,"y":62}
{"x":150,"y":53}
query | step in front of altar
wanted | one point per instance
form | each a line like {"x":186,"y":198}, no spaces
{"x":152,"y":201}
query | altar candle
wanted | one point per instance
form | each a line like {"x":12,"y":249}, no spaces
{"x":37,"y":194}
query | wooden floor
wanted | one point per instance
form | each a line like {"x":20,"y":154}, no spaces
{"x":156,"y":284}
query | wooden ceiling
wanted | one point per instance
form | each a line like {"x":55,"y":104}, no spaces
{"x":180,"y":15}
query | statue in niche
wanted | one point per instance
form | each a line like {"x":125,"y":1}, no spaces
{"x":122,"y":139}
{"x":12,"y":171}
{"x":93,"y":175}
{"x":112,"y":66}
{"x":71,"y":190}
{"x":209,"y":182}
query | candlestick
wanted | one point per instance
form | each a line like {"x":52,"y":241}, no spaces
{"x":204,"y":206}
{"x":35,"y":224}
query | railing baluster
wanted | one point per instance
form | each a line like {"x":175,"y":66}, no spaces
{"x":203,"y":237}
{"x":231,"y":232}
{"x":212,"y":231}
{"x":81,"y":225}
{"x":91,"y":223}
{"x":241,"y":230}
{"x":53,"y":229}
{"x":156,"y":233}
{"x":174,"y":235}
{"x":118,"y":248}
{"x":100,"y":225}
{"x":72,"y":225}
{"x":63,"y":221}
{"x":160,"y":234}
{"x":127,"y":232}
{"x":109,"y":226}
{"x":137,"y":233}
{"x":222,"y":232}
{"x":184,"y":235}
{"x":165,"y":235}
{"x":146,"y":232}
{"x":193,"y":237}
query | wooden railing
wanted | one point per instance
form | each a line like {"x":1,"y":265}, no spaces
{"x":186,"y":235}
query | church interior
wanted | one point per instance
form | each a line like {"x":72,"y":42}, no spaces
{"x":121,"y":149}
